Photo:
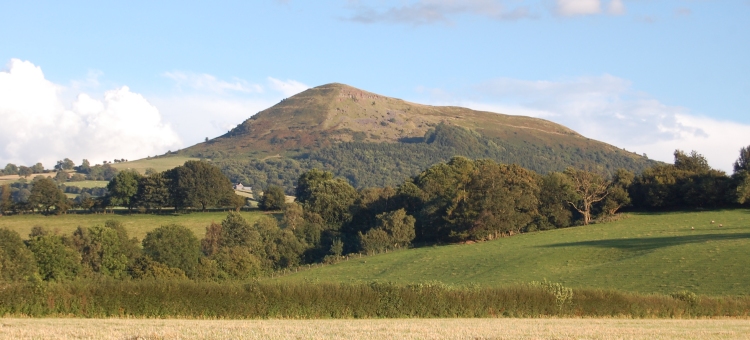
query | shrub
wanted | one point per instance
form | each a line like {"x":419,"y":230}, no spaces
{"x":16,"y":261}
{"x":55,"y":261}
{"x":174,"y":246}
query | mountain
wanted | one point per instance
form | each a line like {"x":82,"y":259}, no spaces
{"x":375,"y":140}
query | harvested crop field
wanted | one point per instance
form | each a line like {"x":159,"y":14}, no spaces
{"x":374,"y":329}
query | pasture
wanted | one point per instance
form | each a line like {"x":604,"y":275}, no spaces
{"x":137,"y":225}
{"x":87,"y":184}
{"x":374,"y":329}
{"x":158,"y":164}
{"x":644,"y":253}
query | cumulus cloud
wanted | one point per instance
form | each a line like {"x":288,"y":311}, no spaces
{"x":578,"y":7}
{"x":607,"y":108}
{"x":36,"y":125}
{"x":424,"y":12}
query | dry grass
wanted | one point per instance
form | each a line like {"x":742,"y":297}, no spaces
{"x":374,"y":329}
{"x":137,"y":225}
{"x":158,"y":164}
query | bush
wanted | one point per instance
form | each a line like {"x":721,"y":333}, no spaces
{"x":55,"y":261}
{"x":16,"y":261}
{"x":273,"y":199}
{"x":175,"y":246}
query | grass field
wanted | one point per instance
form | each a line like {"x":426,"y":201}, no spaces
{"x":137,"y":224}
{"x":88,"y":184}
{"x":159,"y":164}
{"x":644,"y":253}
{"x":374,"y":329}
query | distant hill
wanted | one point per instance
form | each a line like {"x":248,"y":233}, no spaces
{"x":375,"y":140}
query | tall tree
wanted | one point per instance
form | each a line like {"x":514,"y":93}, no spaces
{"x":45,"y":194}
{"x":273,"y":198}
{"x":556,"y":190}
{"x":5,"y":199}
{"x":84,"y":167}
{"x":123,"y":188}
{"x":741,"y":176}
{"x":618,"y":192}
{"x":153,"y":191}
{"x":10,"y":169}
{"x":743,"y":162}
{"x":38,"y":168}
{"x":589,"y":188}
{"x":174,"y":246}
{"x":501,"y":199}
{"x":55,"y":260}
{"x":25,"y":171}
{"x":694,"y":162}
{"x":16,"y":260}
{"x":198,"y":184}
{"x":68,"y":164}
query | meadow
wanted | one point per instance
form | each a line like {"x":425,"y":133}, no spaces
{"x":159,"y":164}
{"x":373,"y":329}
{"x":137,"y":225}
{"x":642,"y":252}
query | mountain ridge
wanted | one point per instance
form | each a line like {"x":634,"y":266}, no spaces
{"x":369,"y":138}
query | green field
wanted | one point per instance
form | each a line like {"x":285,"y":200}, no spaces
{"x":88,"y":184}
{"x":159,"y":164}
{"x":137,"y":224}
{"x":646,"y":253}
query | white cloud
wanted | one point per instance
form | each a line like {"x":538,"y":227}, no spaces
{"x":616,"y":7}
{"x":206,"y":106}
{"x":288,"y":88}
{"x":209,"y":83}
{"x":578,"y":7}
{"x":198,"y":116}
{"x":607,"y":108}
{"x":422,"y":12}
{"x":37,"y":126}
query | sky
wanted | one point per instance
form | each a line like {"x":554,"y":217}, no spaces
{"x":130,"y":79}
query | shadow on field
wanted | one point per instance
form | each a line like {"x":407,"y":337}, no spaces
{"x":651,"y":243}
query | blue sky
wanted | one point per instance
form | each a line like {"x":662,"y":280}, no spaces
{"x":129,"y":79}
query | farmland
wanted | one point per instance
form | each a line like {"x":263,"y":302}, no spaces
{"x":373,"y":329}
{"x":158,"y":164}
{"x":645,"y":253}
{"x":137,"y":224}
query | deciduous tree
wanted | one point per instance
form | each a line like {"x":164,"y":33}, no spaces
{"x":273,"y":198}
{"x":45,"y":194}
{"x":123,"y":188}
{"x":174,"y":246}
{"x":589,"y":188}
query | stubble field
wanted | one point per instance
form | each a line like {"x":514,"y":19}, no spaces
{"x":374,"y":329}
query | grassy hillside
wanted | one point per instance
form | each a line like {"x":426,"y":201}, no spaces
{"x":642,"y":253}
{"x":136,"y":224}
{"x":376,"y":140}
{"x":159,"y":164}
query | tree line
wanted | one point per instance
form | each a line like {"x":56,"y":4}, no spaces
{"x":85,"y":171}
{"x":195,"y":185}
{"x":457,"y":201}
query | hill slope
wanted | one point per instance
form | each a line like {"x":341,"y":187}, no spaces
{"x":377,"y":140}
{"x":644,"y":253}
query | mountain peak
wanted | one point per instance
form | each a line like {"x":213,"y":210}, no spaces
{"x":336,"y":112}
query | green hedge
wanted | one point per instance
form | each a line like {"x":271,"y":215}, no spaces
{"x":187,"y":299}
